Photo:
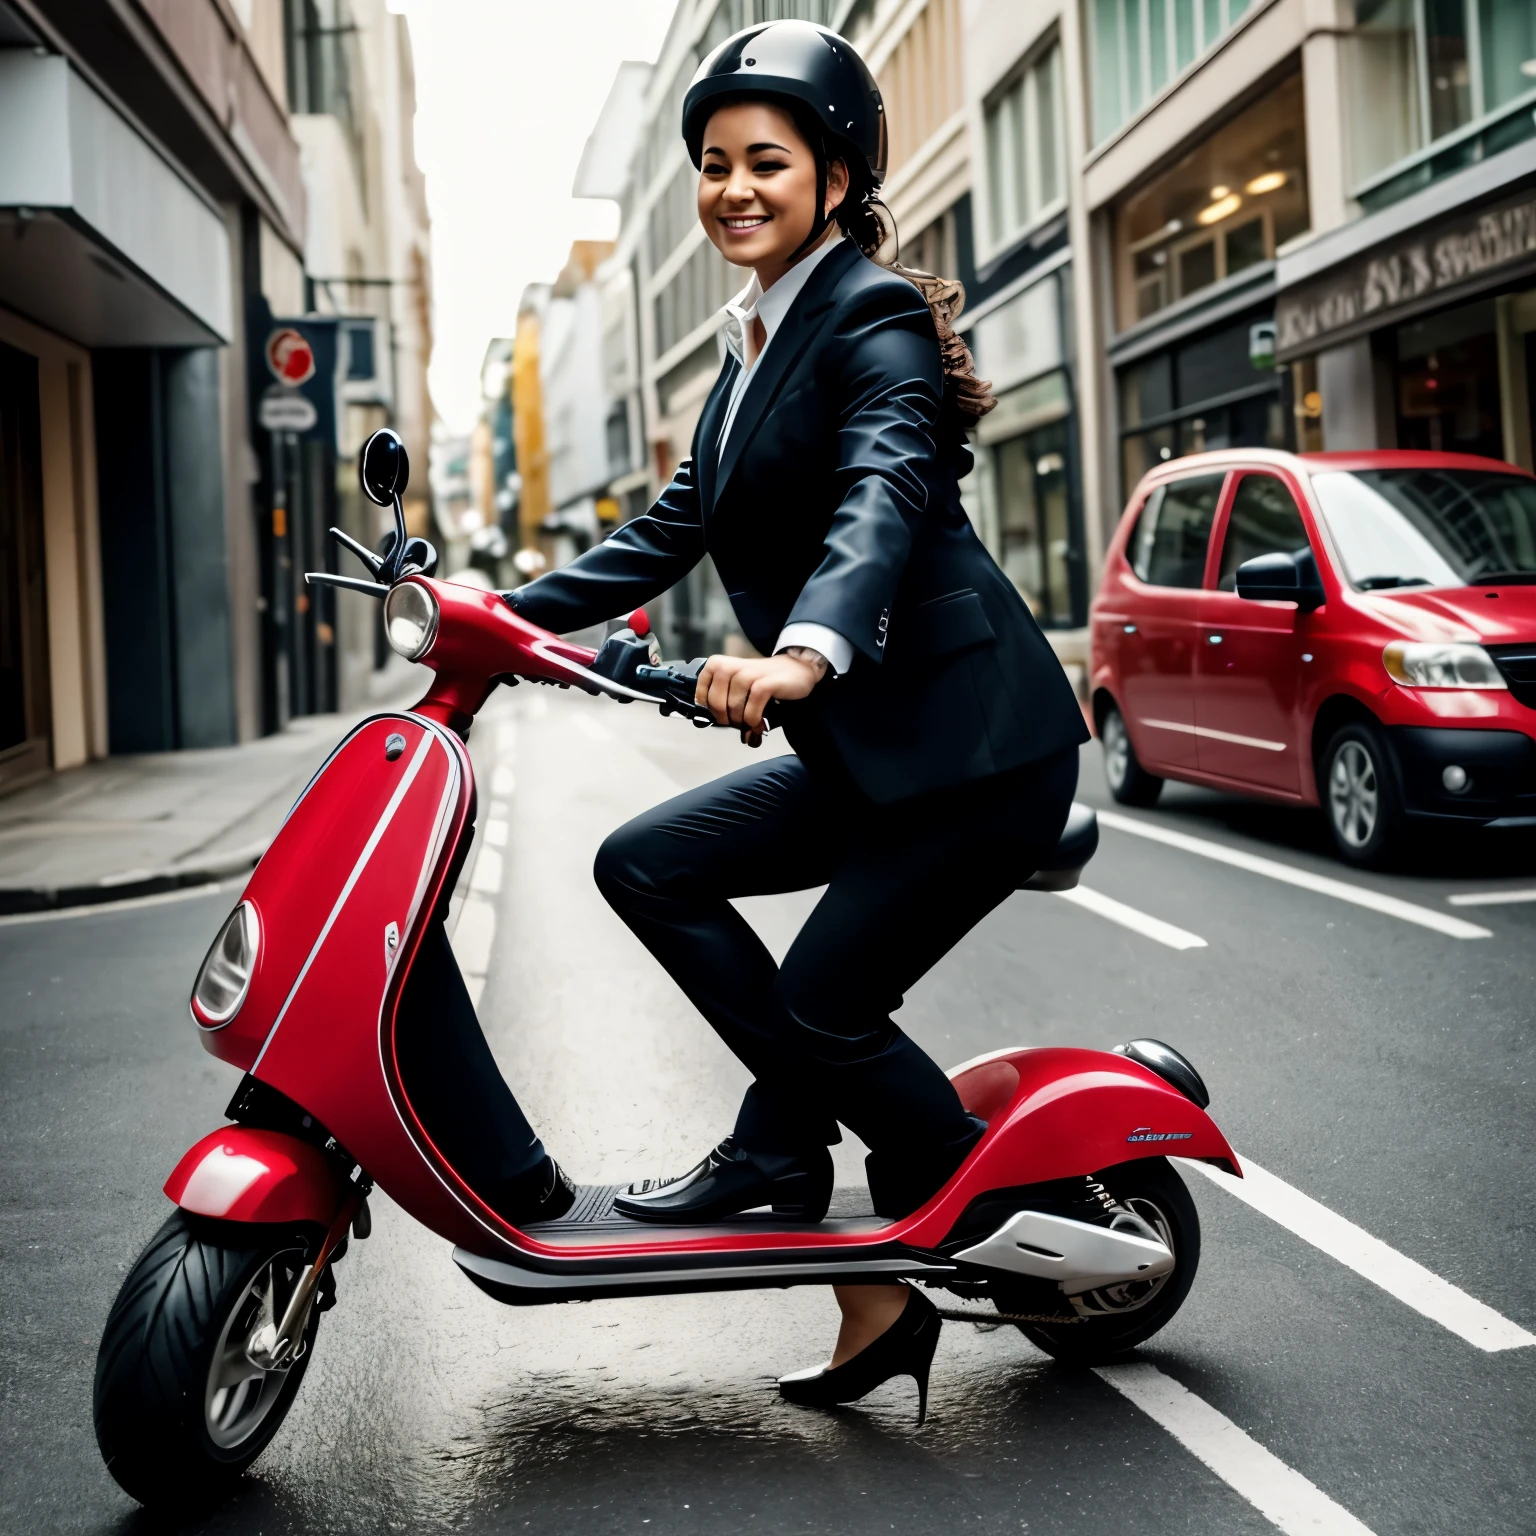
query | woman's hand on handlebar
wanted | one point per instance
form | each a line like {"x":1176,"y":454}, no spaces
{"x":737,"y":689}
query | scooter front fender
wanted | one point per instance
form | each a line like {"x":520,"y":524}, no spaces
{"x":244,"y":1174}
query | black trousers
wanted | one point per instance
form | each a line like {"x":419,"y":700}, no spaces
{"x":904,"y":883}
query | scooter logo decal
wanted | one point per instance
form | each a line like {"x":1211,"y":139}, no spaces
{"x":1146,"y":1133}
{"x":391,"y":943}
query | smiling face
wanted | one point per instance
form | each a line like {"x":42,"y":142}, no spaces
{"x":757,"y":187}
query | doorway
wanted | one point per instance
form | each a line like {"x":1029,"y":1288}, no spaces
{"x":24,"y":717}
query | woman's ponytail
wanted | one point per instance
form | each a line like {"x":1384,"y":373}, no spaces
{"x":865,"y":220}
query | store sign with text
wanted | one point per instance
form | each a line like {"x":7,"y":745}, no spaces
{"x":1371,"y":291}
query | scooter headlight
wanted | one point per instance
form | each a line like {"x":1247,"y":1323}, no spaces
{"x":226,"y":974}
{"x":1452,"y":664}
{"x":410,"y":619}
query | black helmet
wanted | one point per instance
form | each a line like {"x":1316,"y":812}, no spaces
{"x":809,"y":65}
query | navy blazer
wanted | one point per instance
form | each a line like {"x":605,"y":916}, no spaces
{"x":837,"y":502}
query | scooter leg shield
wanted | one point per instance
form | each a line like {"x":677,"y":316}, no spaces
{"x":242,"y":1173}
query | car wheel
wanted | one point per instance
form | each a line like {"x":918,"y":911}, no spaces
{"x":1359,"y":790}
{"x":1129,"y":782}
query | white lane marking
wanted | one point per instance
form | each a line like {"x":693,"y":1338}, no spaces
{"x":496,"y":832}
{"x":486,"y":880}
{"x":502,"y":783}
{"x":1129,"y":917}
{"x":126,"y":904}
{"x":1281,"y":1494}
{"x":1491,"y":898}
{"x":473,"y":936}
{"x":499,"y":810}
{"x":1215,"y":735}
{"x":506,"y":738}
{"x":590,"y":727}
{"x":1288,"y":874}
{"x":1397,"y":1274}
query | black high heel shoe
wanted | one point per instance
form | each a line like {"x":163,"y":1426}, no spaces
{"x":904,"y":1349}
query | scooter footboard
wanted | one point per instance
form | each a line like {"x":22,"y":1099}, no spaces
{"x":242,"y":1173}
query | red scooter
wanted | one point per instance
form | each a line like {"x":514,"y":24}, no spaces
{"x":1066,"y":1217}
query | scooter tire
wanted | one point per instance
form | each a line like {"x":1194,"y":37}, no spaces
{"x":1109,"y":1323}
{"x":156,"y":1408}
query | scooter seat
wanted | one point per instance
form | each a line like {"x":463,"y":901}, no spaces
{"x":1079,"y":841}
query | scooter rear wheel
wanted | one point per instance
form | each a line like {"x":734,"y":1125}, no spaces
{"x":180,"y":1408}
{"x":1109,"y":1322}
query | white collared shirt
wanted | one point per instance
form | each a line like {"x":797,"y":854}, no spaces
{"x":752,"y":303}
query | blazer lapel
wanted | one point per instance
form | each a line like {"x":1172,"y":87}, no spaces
{"x":709,"y":435}
{"x":794,"y":336}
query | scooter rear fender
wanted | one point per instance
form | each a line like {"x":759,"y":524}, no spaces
{"x":241,"y":1173}
{"x":1061,"y":1113}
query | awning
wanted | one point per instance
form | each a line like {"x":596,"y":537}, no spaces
{"x":101,"y":238}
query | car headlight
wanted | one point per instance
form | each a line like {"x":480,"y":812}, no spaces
{"x":226,"y":974}
{"x":410,"y":619}
{"x":1433,"y":664}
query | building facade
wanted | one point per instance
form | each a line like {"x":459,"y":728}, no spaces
{"x":155,"y":193}
{"x":1181,"y":225}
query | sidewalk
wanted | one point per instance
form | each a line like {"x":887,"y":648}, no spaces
{"x":132,"y":826}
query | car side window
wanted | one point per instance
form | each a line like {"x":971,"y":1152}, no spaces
{"x":1167,"y":548}
{"x":1264,"y":521}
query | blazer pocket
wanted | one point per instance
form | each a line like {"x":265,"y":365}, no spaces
{"x":944,"y":625}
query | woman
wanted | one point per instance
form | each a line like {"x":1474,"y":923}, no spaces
{"x":935,"y":735}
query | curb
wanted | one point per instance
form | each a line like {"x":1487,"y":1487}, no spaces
{"x":20,"y":898}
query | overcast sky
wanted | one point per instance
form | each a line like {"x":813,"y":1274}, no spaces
{"x":507,"y":92}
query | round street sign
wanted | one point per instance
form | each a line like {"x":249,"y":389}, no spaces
{"x":290,"y":356}
{"x":285,"y":410}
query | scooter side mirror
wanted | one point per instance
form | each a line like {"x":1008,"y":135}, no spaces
{"x":383,"y":467}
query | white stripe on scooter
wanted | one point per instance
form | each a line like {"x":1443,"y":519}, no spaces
{"x":374,"y":839}
{"x":1397,"y":1274}
{"x":1285,"y":1498}
{"x":1129,"y":917}
{"x":1288,"y":874}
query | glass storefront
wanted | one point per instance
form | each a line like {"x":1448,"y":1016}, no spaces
{"x":1448,"y":382}
{"x":1224,"y":208}
{"x":1219,"y":390}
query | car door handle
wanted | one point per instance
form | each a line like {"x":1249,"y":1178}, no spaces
{"x":1213,"y":639}
{"x":1130,"y":629}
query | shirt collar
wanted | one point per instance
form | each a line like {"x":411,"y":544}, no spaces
{"x":771,"y":307}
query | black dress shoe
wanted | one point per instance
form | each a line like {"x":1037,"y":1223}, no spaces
{"x":544,"y":1193}
{"x":731,"y":1180}
{"x":904,"y":1349}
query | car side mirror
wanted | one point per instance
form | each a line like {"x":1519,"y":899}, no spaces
{"x":383,"y":467}
{"x":1282,"y":577}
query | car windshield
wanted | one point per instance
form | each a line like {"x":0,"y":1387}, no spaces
{"x":1430,"y":527}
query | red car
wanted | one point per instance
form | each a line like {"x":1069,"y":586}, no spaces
{"x":1355,"y":630}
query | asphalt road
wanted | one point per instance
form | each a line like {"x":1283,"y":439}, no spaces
{"x":1379,"y":1066}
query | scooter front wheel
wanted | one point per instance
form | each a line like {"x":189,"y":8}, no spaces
{"x":1106,"y":1323}
{"x":181,"y":1408}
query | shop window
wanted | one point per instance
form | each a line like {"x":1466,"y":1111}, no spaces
{"x":935,"y":248}
{"x":1448,"y":383}
{"x":1438,"y":84}
{"x":1138,"y":46}
{"x":1034,"y":521}
{"x":1026,"y":177}
{"x":1264,"y":520}
{"x":1225,"y":207}
{"x":1168,"y":546}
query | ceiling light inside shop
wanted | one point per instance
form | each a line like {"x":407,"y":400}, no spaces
{"x":1217,"y":193}
{"x":1529,"y":68}
{"x":1270,"y":181}
{"x":1220,"y":208}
